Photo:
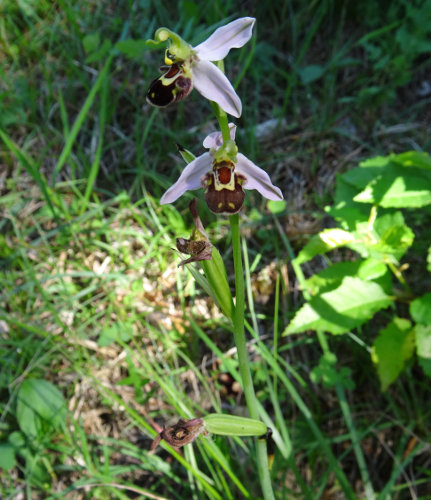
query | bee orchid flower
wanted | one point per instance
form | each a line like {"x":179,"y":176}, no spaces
{"x":224,"y":174}
{"x":187,"y":67}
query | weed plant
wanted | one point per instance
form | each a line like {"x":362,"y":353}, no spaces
{"x":105,"y":340}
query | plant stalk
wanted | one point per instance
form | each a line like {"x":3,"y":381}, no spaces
{"x":244,"y":365}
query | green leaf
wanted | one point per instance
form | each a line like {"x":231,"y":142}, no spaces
{"x":214,"y":281}
{"x":360,"y":177}
{"x":7,"y":456}
{"x":414,"y":159}
{"x":332,"y":276}
{"x":40,"y":406}
{"x":395,"y":237}
{"x":423,"y":347}
{"x":323,"y":242}
{"x":407,"y":189}
{"x":429,"y":260}
{"x":215,"y":273}
{"x":276,"y":206}
{"x":392,"y":348}
{"x":91,"y":42}
{"x":391,"y":181}
{"x":326,"y":373}
{"x":339,"y":311}
{"x":407,"y":159}
{"x":420,"y":309}
{"x":17,"y":440}
{"x":352,"y":217}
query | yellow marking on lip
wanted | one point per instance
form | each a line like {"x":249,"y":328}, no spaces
{"x":168,"y":59}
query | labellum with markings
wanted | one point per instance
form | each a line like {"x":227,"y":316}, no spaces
{"x":224,"y":174}
{"x":223,"y":188}
{"x":172,"y":86}
{"x":192,"y":67}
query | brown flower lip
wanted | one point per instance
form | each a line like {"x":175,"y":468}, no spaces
{"x":172,"y":86}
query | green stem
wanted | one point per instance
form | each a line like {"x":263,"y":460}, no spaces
{"x":221,"y":114}
{"x":399,"y":275}
{"x":243,"y":361}
{"x":222,"y":121}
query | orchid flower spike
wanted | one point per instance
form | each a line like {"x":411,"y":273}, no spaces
{"x":187,"y":67}
{"x":223,"y":173}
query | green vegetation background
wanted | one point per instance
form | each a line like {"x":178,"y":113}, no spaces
{"x":102,"y":336}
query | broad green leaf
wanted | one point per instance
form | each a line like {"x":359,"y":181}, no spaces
{"x":388,"y":237}
{"x":351,"y":216}
{"x":408,"y":189}
{"x":332,"y":276}
{"x":420,"y":309}
{"x":414,"y":159}
{"x":391,"y":181}
{"x":429,"y":260}
{"x":345,"y":191}
{"x":360,"y":177}
{"x":339,"y":311}
{"x":40,"y":406}
{"x":7,"y":456}
{"x":394,"y":236}
{"x":376,"y":161}
{"x":423,"y":347}
{"x":323,"y":242}
{"x":392,"y":348}
{"x":407,"y":159}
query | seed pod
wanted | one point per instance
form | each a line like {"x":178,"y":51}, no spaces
{"x":231,"y":425}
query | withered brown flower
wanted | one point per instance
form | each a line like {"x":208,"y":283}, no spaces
{"x":180,"y":434}
{"x":199,"y":245}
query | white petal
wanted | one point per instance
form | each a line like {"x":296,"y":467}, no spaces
{"x":257,"y":179}
{"x":215,"y":139}
{"x":189,"y":179}
{"x":213,"y":84}
{"x":233,"y":35}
